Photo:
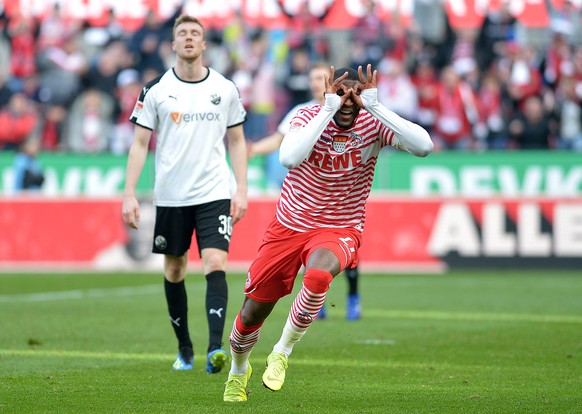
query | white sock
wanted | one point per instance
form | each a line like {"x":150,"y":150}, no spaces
{"x":305,"y":308}
{"x":241,"y":346}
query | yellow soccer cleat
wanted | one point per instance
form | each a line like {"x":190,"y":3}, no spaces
{"x":236,"y":386}
{"x":274,"y":375}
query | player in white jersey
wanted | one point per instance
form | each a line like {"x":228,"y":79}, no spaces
{"x":331,"y":152}
{"x":191,"y":108}
{"x":271,"y":144}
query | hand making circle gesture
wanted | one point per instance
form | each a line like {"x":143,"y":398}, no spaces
{"x":336,"y":86}
{"x":366,"y":82}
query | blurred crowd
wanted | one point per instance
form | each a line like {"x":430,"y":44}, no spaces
{"x":72,"y":87}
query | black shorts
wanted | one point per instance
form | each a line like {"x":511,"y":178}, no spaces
{"x":175,"y":226}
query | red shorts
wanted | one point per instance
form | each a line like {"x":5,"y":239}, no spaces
{"x":283,"y":252}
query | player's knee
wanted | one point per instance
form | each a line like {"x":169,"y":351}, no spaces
{"x":174,"y":270}
{"x":254,"y":313}
{"x":213,"y":262}
{"x":247,"y":318}
{"x":317,"y":280}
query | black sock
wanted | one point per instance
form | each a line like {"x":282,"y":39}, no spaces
{"x":216,"y":299}
{"x":352,"y":275}
{"x":177,"y":301}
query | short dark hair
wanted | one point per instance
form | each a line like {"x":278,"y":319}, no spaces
{"x":352,"y":74}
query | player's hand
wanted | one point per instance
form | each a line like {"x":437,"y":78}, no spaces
{"x":369,"y":81}
{"x":366,"y":82}
{"x":250,"y":150}
{"x":130,"y":211}
{"x":336,"y":86}
{"x":238,"y":206}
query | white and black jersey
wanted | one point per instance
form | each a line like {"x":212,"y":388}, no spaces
{"x":190,"y":120}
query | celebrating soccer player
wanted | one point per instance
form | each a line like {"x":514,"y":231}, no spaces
{"x":331,"y":152}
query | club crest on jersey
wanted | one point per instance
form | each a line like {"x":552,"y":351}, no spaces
{"x":339,"y":143}
{"x":215,"y":99}
{"x":356,"y":138}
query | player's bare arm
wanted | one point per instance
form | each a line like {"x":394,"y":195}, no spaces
{"x":136,"y":160}
{"x":238,"y":156}
{"x":265,"y":145}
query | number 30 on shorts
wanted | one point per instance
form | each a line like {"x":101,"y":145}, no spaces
{"x":225,"y":225}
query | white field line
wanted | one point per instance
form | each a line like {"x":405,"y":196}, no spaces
{"x":46,"y":353}
{"x":469,"y":316}
{"x":331,"y":362}
{"x":74,"y":354}
{"x":371,"y":313}
{"x":82,"y":294}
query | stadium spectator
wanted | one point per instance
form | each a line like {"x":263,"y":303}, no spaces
{"x":236,"y":38}
{"x":129,"y":85}
{"x":90,"y":123}
{"x":568,"y":113}
{"x":261,"y":100}
{"x":296,"y":80}
{"x":54,"y":120}
{"x":492,"y":131}
{"x":5,"y":91}
{"x":456,"y":112}
{"x":576,"y":68}
{"x":557,"y":60}
{"x":370,"y":39}
{"x":305,"y":28}
{"x":31,"y":88}
{"x":97,"y":37}
{"x":426,"y":82}
{"x":54,"y":29}
{"x":497,"y":30}
{"x":18,"y":122}
{"x":103,"y":71}
{"x":5,"y":47}
{"x":400,"y":41}
{"x":191,"y":107}
{"x":463,"y":53}
{"x":28,"y":171}
{"x":22,"y":33}
{"x":524,"y":66}
{"x":523,"y":76}
{"x":61,"y":70}
{"x":430,"y":22}
{"x":320,"y":215}
{"x":396,"y":89}
{"x":146,"y":41}
{"x":566,"y":19}
{"x":530,"y":126}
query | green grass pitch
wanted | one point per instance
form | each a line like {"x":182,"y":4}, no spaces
{"x":461,"y":342}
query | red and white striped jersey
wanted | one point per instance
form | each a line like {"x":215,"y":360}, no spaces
{"x":331,"y":186}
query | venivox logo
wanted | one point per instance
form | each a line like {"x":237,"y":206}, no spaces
{"x":178,"y":117}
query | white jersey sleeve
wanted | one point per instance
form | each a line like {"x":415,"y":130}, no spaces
{"x":144,"y":112}
{"x":236,"y":113}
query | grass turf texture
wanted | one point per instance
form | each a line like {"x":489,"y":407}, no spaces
{"x":463,"y":342}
